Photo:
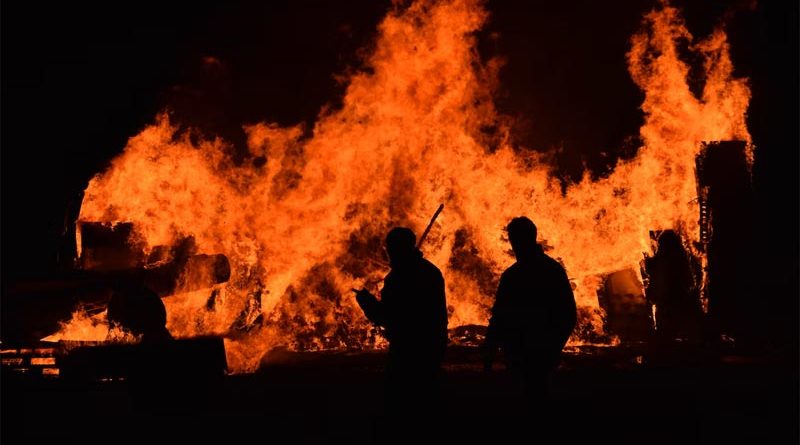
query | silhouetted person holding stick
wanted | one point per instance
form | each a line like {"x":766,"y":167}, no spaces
{"x":413,"y":311}
{"x":534,"y":312}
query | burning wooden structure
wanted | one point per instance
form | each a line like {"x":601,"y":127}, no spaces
{"x":300,"y":215}
{"x":728,"y":235}
{"x":263,"y":248}
{"x":251,"y":248}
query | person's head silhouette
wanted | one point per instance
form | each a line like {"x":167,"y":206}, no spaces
{"x":670,"y":242}
{"x":522,"y":236}
{"x":401,"y":246}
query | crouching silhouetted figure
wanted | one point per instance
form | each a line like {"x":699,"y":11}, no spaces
{"x":151,"y":376}
{"x":534,"y":312}
{"x":413,"y":311}
{"x":139,"y":310}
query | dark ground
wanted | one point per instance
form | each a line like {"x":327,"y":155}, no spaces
{"x":605,"y":395}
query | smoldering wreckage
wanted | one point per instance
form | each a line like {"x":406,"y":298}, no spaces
{"x":249,"y":265}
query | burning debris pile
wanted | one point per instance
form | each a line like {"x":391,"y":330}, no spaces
{"x":302,"y":217}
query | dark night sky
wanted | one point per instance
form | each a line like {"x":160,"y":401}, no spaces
{"x":79,"y":78}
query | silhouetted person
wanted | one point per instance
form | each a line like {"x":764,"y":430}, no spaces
{"x":413,"y":311}
{"x":534,"y":312}
{"x":672,"y":290}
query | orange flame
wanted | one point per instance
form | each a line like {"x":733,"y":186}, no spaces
{"x":304,"y":227}
{"x":84,"y":326}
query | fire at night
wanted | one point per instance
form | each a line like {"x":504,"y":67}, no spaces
{"x":531,"y":218}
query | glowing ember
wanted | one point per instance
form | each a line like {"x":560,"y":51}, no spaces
{"x":302,"y":219}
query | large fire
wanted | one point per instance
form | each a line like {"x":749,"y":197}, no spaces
{"x":303,"y":216}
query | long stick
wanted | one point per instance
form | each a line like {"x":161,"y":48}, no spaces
{"x":430,"y":224}
{"x":421,"y":239}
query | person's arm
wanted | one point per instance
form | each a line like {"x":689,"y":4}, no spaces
{"x":372,"y":307}
{"x":496,"y":323}
{"x":442,"y":304}
{"x":566,"y":311}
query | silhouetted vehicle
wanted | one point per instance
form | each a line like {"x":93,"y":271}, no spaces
{"x":413,"y":311}
{"x":534,"y":311}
